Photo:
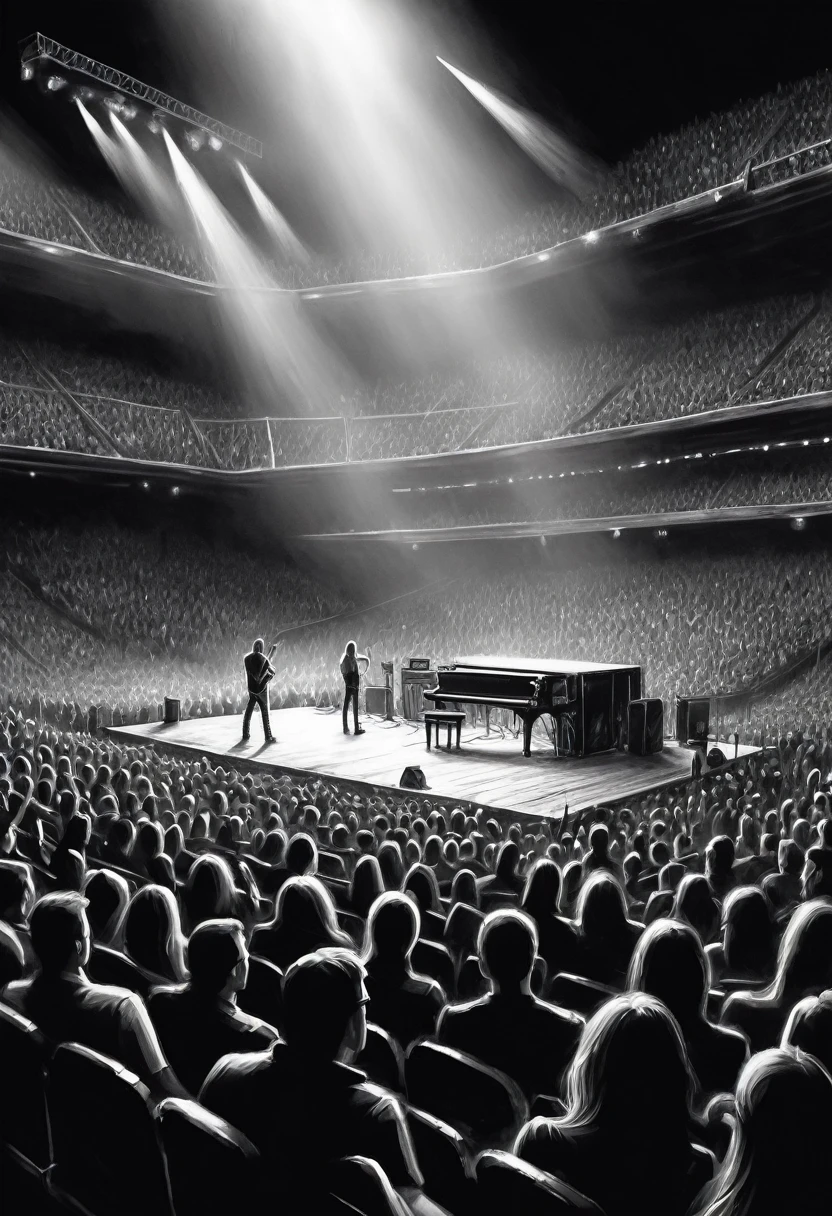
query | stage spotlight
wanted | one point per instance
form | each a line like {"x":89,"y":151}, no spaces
{"x":128,"y":113}
{"x":145,"y":485}
{"x":415,"y":547}
{"x":175,"y":491}
{"x":55,"y":82}
{"x":32,"y":473}
{"x":798,"y":523}
{"x":661,"y":534}
{"x":543,"y":257}
{"x":154,"y":125}
{"x":27,"y":72}
{"x":616,"y":533}
{"x":543,"y":541}
{"x":194,"y":140}
{"x":215,"y":142}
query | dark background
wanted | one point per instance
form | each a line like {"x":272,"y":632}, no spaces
{"x":609,"y":75}
{"x":620,"y":71}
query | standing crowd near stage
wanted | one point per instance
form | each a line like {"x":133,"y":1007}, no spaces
{"x":576,"y":992}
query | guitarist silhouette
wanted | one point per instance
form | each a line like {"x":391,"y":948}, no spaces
{"x":259,"y":672}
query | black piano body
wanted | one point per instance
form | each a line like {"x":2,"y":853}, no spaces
{"x":587,"y":701}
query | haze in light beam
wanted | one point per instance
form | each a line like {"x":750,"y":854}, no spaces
{"x":556,"y":156}
{"x":153,"y":187}
{"x":288,"y":245}
{"x":278,"y":353}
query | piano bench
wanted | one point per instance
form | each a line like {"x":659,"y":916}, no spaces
{"x":444,"y":717}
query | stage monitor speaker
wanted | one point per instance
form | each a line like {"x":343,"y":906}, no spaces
{"x":716,"y":757}
{"x":413,"y":779}
{"x":693,"y":719}
{"x":645,"y":726}
{"x":375,"y":700}
{"x":172,"y":710}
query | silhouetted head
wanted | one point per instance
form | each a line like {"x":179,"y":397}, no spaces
{"x":804,"y":959}
{"x":610,"y":1084}
{"x":107,"y":896}
{"x":542,"y":889}
{"x":507,"y":945}
{"x":218,"y":956}
{"x":602,"y":906}
{"x":669,"y":963}
{"x":17,"y":891}
{"x":695,"y":904}
{"x":420,"y":882}
{"x":258,"y":646}
{"x":719,"y":857}
{"x":209,"y":892}
{"x":60,"y":932}
{"x":324,"y":1006}
{"x":464,"y":889}
{"x":599,"y":840}
{"x":153,"y":935}
{"x":809,"y":1027}
{"x":748,"y":934}
{"x":777,"y":1158}
{"x":302,"y":854}
{"x":508,"y":859}
{"x":304,"y":906}
{"x":367,"y":884}
{"x":391,"y":865}
{"x":392,"y":928}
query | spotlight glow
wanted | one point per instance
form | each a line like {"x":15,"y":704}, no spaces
{"x":291,"y":248}
{"x":56,"y":82}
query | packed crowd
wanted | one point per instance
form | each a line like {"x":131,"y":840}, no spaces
{"x":797,"y":476}
{"x":490,"y":1010}
{"x":94,"y":632}
{"x":707,"y":153}
{"x":720,"y":357}
{"x":121,"y":634}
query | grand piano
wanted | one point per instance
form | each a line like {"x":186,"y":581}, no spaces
{"x":587,"y":701}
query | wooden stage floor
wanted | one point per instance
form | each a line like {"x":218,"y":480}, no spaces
{"x":490,"y":772}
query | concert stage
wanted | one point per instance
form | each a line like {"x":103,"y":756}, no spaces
{"x":488,"y":771}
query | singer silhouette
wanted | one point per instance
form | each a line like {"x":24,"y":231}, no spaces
{"x":259,"y":672}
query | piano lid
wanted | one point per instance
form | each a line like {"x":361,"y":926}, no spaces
{"x":555,"y":667}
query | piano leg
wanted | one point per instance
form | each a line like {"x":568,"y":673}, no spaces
{"x":527,"y":736}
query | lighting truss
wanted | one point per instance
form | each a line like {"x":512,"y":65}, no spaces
{"x":38,"y":46}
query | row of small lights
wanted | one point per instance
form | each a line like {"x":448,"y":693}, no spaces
{"x":125,"y":110}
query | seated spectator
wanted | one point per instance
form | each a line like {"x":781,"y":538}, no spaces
{"x":747,"y":950}
{"x":304,"y":921}
{"x":148,"y":857}
{"x":557,"y":937}
{"x":199,"y":1022}
{"x":629,"y":1090}
{"x":505,"y":880}
{"x":391,"y":864}
{"x":74,"y":841}
{"x":422,"y":886}
{"x":817,"y":876}
{"x":67,"y":1008}
{"x":12,"y":962}
{"x":570,"y":889}
{"x":510,"y":1028}
{"x":301,"y":860}
{"x":107,"y":895}
{"x":152,"y":935}
{"x":464,"y":889}
{"x":606,"y":938}
{"x":660,"y":903}
{"x":809,"y":1028}
{"x":17,"y":896}
{"x":804,"y":968}
{"x":302,"y":1102}
{"x":783,"y":1115}
{"x":719,"y":863}
{"x":784,"y":889}
{"x":669,"y":963}
{"x":209,"y":893}
{"x":695,"y":904}
{"x":598,"y":857}
{"x":402,"y":1002}
{"x":366,"y":885}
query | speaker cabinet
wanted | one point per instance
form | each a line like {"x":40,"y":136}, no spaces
{"x":375,"y":700}
{"x":645,"y":727}
{"x":693,"y":719}
{"x":172,"y":710}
